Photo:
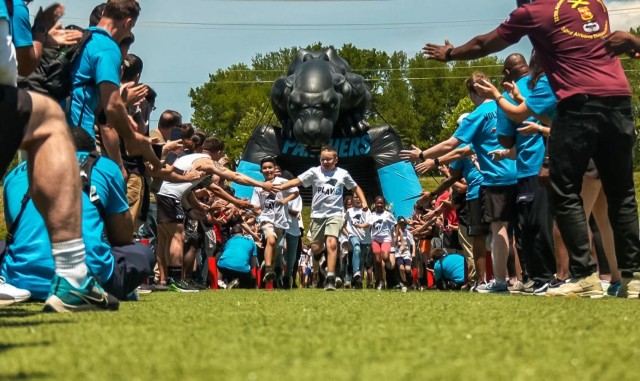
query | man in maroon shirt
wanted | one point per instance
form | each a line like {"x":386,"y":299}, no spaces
{"x":593,"y":120}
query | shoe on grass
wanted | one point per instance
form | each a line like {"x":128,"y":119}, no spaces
{"x":493,"y":287}
{"x":330,"y":283}
{"x":64,"y":297}
{"x":614,"y":289}
{"x":630,"y":287}
{"x":10,"y":294}
{"x":584,"y":287}
{"x":180,"y":286}
{"x":517,"y":287}
{"x":535,"y":288}
{"x":269,"y":276}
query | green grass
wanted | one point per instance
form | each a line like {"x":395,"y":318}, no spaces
{"x":314,"y":335}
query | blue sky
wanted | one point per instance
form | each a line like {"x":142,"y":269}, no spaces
{"x":182,"y":41}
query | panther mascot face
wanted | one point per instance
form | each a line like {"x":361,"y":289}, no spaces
{"x":320,"y":98}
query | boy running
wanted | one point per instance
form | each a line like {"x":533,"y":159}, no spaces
{"x":327,"y":220}
{"x":273,"y":213}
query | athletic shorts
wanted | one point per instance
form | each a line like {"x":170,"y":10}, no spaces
{"x":169,"y":210}
{"x":15,"y":110}
{"x":498,"y":203}
{"x":403,"y":261}
{"x":270,"y":230}
{"x":477,"y":228}
{"x":378,"y":247}
{"x":323,"y":227}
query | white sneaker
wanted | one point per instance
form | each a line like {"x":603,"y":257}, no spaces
{"x":221,"y":284}
{"x":10,"y":294}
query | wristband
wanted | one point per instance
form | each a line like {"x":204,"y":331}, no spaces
{"x":545,"y":162}
{"x":447,"y":54}
{"x":540,"y":129}
{"x":498,"y":98}
{"x":436,"y":162}
{"x":421,"y":156}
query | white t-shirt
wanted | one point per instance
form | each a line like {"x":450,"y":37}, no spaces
{"x":382,"y":225}
{"x":409,"y":243}
{"x":358,"y":216}
{"x":177,"y":190}
{"x":8,"y":62}
{"x":296,"y":222}
{"x":327,"y":188}
{"x":272,"y":210}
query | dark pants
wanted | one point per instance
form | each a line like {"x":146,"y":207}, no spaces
{"x":535,"y":229}
{"x":133,"y":265}
{"x":601,"y":128}
{"x":246,"y":280}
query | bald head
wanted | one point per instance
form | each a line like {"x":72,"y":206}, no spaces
{"x":515,"y":67}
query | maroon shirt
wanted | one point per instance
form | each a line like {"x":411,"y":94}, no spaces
{"x":568,"y":37}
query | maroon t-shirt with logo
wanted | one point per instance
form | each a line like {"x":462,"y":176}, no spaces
{"x":568,"y":37}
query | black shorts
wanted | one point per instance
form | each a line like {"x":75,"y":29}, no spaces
{"x":477,"y":228}
{"x":133,"y":265}
{"x":498,"y":203}
{"x":169,"y":210}
{"x":15,"y":109}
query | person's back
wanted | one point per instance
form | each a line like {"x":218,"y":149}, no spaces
{"x":571,"y":37}
{"x":450,"y":268}
{"x":29,"y":264}
{"x":177,"y":190}
{"x":237,"y":254}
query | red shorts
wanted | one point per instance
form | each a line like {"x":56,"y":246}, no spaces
{"x":378,"y":247}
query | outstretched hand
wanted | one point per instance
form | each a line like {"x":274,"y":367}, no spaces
{"x":437,"y":52}
{"x":411,"y":155}
{"x":425,"y":166}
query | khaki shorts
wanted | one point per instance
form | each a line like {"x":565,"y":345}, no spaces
{"x":269,"y":230}
{"x":323,"y":227}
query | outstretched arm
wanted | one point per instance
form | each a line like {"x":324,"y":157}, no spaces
{"x":478,"y":47}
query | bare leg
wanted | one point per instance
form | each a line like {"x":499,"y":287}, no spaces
{"x":500,"y":250}
{"x":480,"y":257}
{"x":332,"y":253}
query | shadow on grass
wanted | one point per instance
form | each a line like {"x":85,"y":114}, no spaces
{"x":16,"y":312}
{"x":23,"y":324}
{"x":6,"y":347}
{"x":24,"y":376}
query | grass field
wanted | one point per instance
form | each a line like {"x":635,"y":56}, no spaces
{"x":315,"y":335}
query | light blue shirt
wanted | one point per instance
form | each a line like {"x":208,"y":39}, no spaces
{"x":99,"y":62}
{"x":479,"y":130}
{"x":237,"y":254}
{"x":450,"y":267}
{"x":471,"y":175}
{"x":530,"y":148}
{"x":21,"y":25}
{"x":542,"y":100}
{"x":29,"y":264}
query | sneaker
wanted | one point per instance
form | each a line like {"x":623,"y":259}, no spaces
{"x":403,"y":288}
{"x":357,"y":277}
{"x":338,"y":282}
{"x":614,"y":289}
{"x":160,"y":287}
{"x":535,"y":288}
{"x":584,"y":287}
{"x":330,"y":283}
{"x":347,"y":284}
{"x":180,"y":286}
{"x":630,"y":287}
{"x":64,"y":297}
{"x":269,"y":276}
{"x":516,"y":288}
{"x":197,"y":285}
{"x":10,"y":294}
{"x":493,"y":287}
{"x":554,"y":285}
{"x":221,"y":284}
{"x":380,"y":286}
{"x":233,"y":284}
{"x":145,"y":289}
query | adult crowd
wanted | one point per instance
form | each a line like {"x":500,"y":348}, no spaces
{"x":538,"y":195}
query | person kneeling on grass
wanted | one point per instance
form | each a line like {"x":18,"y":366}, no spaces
{"x":119,"y":264}
{"x":239,"y":257}
{"x":449,"y":269}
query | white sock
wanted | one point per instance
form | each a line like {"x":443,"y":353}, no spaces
{"x":331,"y":274}
{"x":69,"y":259}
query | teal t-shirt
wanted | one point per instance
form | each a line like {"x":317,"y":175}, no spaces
{"x":471,"y":175}
{"x":237,"y":254}
{"x":530,"y":148}
{"x":99,"y":62}
{"x":479,"y":130}
{"x":542,"y":100}
{"x":29,"y":264}
{"x":21,"y":25}
{"x":451,"y":267}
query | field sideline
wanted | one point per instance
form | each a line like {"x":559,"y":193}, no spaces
{"x":315,"y":335}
